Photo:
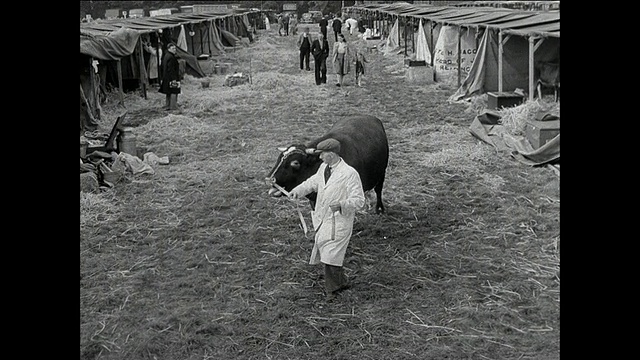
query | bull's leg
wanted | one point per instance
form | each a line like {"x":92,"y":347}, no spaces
{"x":378,"y":190}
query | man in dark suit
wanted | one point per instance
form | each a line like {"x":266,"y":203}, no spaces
{"x":323,"y":26}
{"x":337,"y":27}
{"x":304,"y":44}
{"x":320,"y":52}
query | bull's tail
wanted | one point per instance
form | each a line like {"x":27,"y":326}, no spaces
{"x":378,"y":190}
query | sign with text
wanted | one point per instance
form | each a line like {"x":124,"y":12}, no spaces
{"x":446,"y":54}
{"x":159,"y":12}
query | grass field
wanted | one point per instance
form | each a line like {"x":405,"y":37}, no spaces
{"x":197,"y":262}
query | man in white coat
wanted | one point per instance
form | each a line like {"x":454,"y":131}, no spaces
{"x":339,"y":196}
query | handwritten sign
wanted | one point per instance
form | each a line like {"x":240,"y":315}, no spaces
{"x":446,"y":54}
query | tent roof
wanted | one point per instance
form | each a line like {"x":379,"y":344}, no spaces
{"x":116,"y":38}
{"x":509,"y":21}
{"x":152,"y":24}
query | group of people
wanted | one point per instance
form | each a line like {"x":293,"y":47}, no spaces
{"x":341,"y":59}
{"x":169,"y":77}
{"x":166,"y":71}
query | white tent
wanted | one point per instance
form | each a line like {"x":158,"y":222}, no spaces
{"x":422,"y":46}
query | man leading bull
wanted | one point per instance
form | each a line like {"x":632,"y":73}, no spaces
{"x":339,"y":196}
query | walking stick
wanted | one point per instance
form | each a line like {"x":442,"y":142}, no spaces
{"x":333,"y":226}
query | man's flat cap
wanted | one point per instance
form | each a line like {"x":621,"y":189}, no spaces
{"x":332,"y":145}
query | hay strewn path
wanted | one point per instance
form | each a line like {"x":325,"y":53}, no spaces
{"x":197,"y":262}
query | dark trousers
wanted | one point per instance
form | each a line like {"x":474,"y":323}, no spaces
{"x":324,"y":32}
{"x":320,"y":63}
{"x":171,"y":102}
{"x":304,"y":59}
{"x":334,"y":278}
{"x":335,"y":33}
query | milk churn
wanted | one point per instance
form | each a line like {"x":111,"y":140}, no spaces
{"x":127,"y":141}
{"x":84,"y":145}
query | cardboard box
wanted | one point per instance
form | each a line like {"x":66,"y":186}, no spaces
{"x":541,"y":132}
{"x":411,"y":63}
{"x":421,"y":74}
{"x":497,"y":100}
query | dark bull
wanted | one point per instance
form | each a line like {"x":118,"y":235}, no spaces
{"x":364,"y":146}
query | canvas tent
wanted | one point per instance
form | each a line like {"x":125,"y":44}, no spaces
{"x":514,"y":55}
{"x":116,"y":43}
{"x":513,"y":48}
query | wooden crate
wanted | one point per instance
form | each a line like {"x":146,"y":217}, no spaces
{"x":541,"y":132}
{"x":497,"y":100}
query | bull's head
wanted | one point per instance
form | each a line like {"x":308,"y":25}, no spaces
{"x":295,"y":164}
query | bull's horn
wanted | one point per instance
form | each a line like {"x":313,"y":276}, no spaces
{"x":310,"y":151}
{"x":282,"y":149}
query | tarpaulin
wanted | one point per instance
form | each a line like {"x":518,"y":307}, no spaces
{"x":486,"y":127}
{"x":116,"y":45}
{"x":422,"y":47}
{"x":393,"y":41}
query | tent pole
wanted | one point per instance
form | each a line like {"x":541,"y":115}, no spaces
{"x":459,"y":55}
{"x":158,"y":55}
{"x":202,"y":39}
{"x":405,"y":36}
{"x":433,"y":55}
{"x":93,"y":82}
{"x":532,"y":50}
{"x":531,"y":58}
{"x":119,"y":67}
{"x":499,"y":60}
{"x":143,"y":71}
{"x":413,"y":36}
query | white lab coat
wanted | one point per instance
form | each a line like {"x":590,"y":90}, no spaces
{"x":345,"y":187}
{"x":352,"y":24}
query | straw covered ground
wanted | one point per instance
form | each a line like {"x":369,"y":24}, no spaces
{"x":197,"y":262}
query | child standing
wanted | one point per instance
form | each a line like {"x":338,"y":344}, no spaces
{"x":360,"y":67}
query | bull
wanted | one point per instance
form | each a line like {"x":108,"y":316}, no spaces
{"x":364,"y":146}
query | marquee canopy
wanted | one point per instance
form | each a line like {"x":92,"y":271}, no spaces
{"x":508,"y":21}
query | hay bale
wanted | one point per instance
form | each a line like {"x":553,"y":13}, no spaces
{"x":89,"y":182}
{"x":236,"y":79}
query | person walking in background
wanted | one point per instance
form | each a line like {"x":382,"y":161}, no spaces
{"x":341,"y":62}
{"x":304,"y":44}
{"x":267,"y":26}
{"x":293,"y":24}
{"x":323,"y":26}
{"x":285,"y":21}
{"x":352,"y":24}
{"x":339,"y":196}
{"x":280,"y":25}
{"x":360,"y":67}
{"x":170,"y":85}
{"x":155,"y":55}
{"x":320,"y":52}
{"x":367,"y":32}
{"x":337,"y":27}
{"x":361,"y":26}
